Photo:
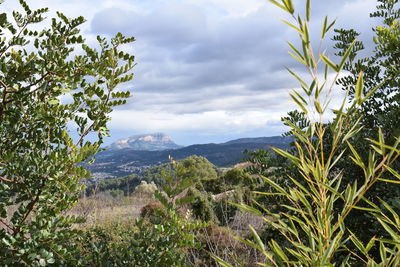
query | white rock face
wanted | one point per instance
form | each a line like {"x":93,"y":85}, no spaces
{"x":150,"y":142}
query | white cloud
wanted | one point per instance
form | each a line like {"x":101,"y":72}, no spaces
{"x":218,"y":121}
{"x":205,"y":66}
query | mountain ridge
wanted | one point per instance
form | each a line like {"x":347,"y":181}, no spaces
{"x":113,"y":163}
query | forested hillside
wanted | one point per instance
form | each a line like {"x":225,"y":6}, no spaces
{"x":121,"y":162}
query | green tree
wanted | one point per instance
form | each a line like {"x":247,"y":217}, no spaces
{"x":313,"y":222}
{"x":51,"y":83}
{"x":199,"y":168}
{"x":380,"y":110}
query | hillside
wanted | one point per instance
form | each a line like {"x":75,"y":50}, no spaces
{"x":125,"y":161}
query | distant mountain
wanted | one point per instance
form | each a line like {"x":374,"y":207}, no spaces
{"x":261,"y":140}
{"x":118,"y":162}
{"x":146,"y":142}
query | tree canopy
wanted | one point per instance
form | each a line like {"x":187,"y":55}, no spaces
{"x":54,"y":91}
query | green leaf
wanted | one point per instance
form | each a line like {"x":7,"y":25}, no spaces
{"x":346,"y":55}
{"x":53,"y":102}
{"x":278,"y":5}
{"x":3,"y":19}
{"x":318,"y":107}
{"x":289,"y":6}
{"x":299,"y":55}
{"x":278,"y":251}
{"x":292,"y":26}
{"x":324,"y":26}
{"x":357,"y":242}
{"x":328,"y":62}
{"x":303,"y":83}
{"x":247,"y":208}
{"x":221,"y":261}
{"x":301,"y":105}
{"x":359,"y":88}
{"x":286,"y":155}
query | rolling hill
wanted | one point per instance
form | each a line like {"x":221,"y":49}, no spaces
{"x":118,"y":162}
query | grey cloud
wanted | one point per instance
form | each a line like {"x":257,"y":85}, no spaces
{"x":173,"y":26}
{"x":190,"y":62}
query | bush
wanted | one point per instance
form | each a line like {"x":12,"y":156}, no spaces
{"x":201,"y":206}
{"x":312,"y":224}
{"x":145,"y":190}
{"x":117,"y":193}
{"x":223,"y":208}
{"x":154,"y":211}
{"x":40,"y":161}
{"x":137,"y":244}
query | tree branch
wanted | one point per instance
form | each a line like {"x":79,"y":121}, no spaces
{"x":7,"y":225}
{"x":10,"y":181}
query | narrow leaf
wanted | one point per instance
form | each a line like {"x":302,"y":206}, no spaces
{"x":329,"y":62}
{"x":359,"y":88}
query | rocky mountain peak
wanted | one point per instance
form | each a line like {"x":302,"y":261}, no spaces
{"x":149,"y":142}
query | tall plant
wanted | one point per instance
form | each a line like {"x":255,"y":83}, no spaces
{"x":47,"y":90}
{"x":313,"y":221}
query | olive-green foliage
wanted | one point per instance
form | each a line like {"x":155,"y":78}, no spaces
{"x":40,"y":67}
{"x":103,"y":245}
{"x":180,"y":228}
{"x":236,"y":177}
{"x":313,"y":223}
{"x":380,"y":110}
{"x":153,"y":211}
{"x":380,"y":67}
{"x":126,"y":184}
{"x":229,"y":186}
{"x":139,"y":243}
{"x":116,"y":193}
{"x":153,"y":174}
{"x":201,"y":205}
{"x":161,"y":237}
{"x":145,"y":189}
{"x":200,"y":168}
{"x":229,"y":180}
{"x":223,"y":209}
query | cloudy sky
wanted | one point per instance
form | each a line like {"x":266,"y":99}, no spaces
{"x":208,"y":70}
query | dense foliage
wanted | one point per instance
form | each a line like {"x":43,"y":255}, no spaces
{"x":338,"y":205}
{"x":47,"y":84}
{"x":380,"y":111}
{"x":161,"y":237}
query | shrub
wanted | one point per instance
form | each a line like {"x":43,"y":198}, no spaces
{"x":145,"y":190}
{"x":312,"y":224}
{"x":40,"y":163}
{"x":201,"y":205}
{"x":154,"y":210}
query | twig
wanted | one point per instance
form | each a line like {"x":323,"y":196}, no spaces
{"x":7,"y":225}
{"x":10,"y":181}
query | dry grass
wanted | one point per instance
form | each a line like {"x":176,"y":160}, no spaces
{"x":103,"y":209}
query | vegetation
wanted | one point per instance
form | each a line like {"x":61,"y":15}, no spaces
{"x":326,"y":192}
{"x":160,"y":238}
{"x":378,"y":112}
{"x":331,"y":199}
{"x":39,"y":161}
{"x":125,"y":184}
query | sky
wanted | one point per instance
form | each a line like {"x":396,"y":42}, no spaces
{"x":208,"y":71}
